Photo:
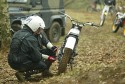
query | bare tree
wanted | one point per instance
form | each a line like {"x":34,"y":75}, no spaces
{"x":4,"y":25}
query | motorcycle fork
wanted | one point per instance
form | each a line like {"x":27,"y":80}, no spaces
{"x":105,"y":13}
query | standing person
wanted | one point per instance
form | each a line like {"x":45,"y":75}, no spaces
{"x":26,"y":55}
{"x":94,"y":4}
{"x":110,"y":2}
{"x":109,"y":6}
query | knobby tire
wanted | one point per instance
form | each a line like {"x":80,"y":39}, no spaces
{"x":63,"y":64}
{"x":103,"y":20}
{"x":115,"y":28}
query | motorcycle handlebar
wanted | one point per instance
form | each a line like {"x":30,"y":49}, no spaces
{"x":91,"y":24}
{"x":80,"y":23}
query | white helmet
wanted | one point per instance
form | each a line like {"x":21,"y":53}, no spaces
{"x":34,"y":22}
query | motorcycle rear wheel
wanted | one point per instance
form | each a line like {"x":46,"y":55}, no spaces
{"x":64,"y":62}
{"x":115,"y":28}
{"x":90,"y":9}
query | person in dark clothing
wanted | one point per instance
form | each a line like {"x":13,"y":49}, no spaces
{"x":110,"y":2}
{"x":26,"y":54}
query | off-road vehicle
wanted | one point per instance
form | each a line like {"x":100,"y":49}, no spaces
{"x":47,"y":9}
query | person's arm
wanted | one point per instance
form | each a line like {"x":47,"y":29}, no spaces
{"x":34,"y":51}
{"x":46,"y":42}
{"x":44,"y":39}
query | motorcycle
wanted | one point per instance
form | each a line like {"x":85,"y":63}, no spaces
{"x":118,"y":22}
{"x":67,"y":52}
{"x":109,"y":8}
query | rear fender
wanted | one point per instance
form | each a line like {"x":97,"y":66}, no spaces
{"x":71,"y":42}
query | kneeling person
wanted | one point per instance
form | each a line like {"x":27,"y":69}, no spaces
{"x":26,"y":54}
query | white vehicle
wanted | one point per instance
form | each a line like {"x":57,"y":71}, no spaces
{"x":48,"y":10}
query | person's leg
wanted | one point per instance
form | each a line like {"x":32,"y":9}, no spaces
{"x":49,"y":52}
{"x":29,"y":68}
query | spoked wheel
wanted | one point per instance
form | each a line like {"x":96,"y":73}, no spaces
{"x":115,"y":27}
{"x":54,"y":32}
{"x":90,"y":9}
{"x":65,"y":59}
{"x":102,"y":20}
{"x":124,"y":32}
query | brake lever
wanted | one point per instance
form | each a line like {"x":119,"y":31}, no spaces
{"x":92,"y":24}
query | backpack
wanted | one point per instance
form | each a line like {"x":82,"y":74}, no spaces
{"x":16,"y":47}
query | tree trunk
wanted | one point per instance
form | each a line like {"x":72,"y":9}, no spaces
{"x":4,"y":25}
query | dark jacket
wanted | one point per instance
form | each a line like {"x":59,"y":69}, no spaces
{"x":29,"y":47}
{"x":110,"y":2}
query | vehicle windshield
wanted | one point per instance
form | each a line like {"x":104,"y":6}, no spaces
{"x":16,"y":1}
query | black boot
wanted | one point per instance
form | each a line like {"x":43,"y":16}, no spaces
{"x":47,"y":73}
{"x":20,"y":76}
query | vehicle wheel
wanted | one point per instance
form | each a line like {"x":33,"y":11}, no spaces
{"x":89,"y":9}
{"x":124,"y":31}
{"x":54,"y":32}
{"x":115,"y":27}
{"x":102,"y":20}
{"x":63,"y":64}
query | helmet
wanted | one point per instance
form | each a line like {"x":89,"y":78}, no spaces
{"x":34,"y":22}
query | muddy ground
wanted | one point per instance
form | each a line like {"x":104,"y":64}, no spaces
{"x":100,"y":59}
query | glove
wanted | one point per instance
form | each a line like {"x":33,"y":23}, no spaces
{"x":51,"y":58}
{"x":54,"y":49}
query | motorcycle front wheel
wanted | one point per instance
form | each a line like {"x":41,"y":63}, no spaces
{"x":115,"y":27}
{"x":90,"y":9}
{"x":64,"y":61}
{"x":102,"y":20}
